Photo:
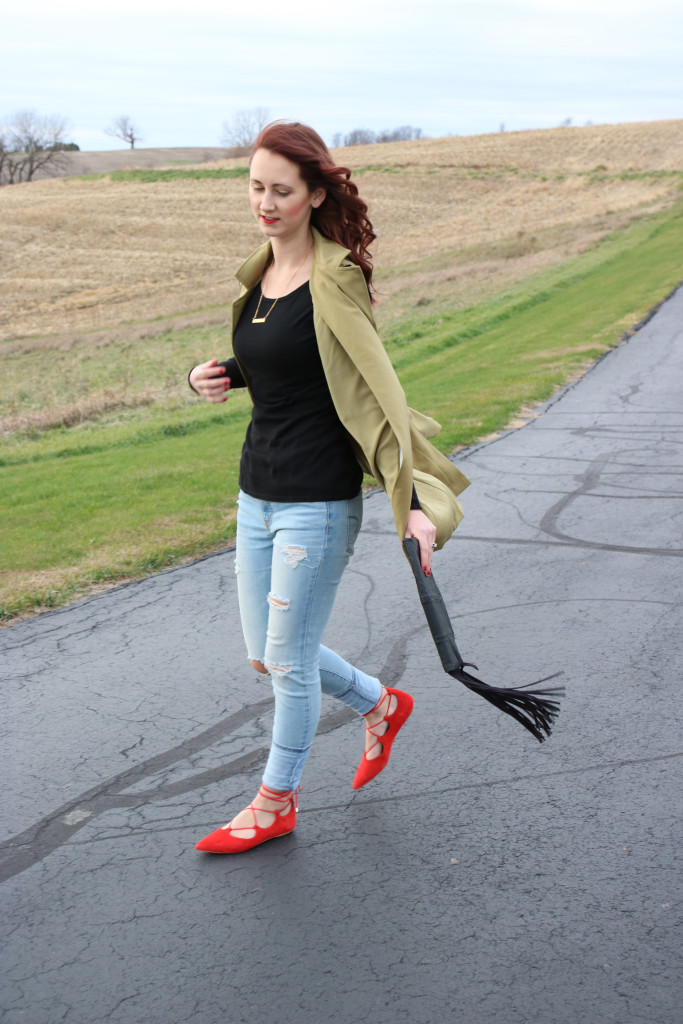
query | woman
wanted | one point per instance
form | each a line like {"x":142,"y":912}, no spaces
{"x":327,"y":406}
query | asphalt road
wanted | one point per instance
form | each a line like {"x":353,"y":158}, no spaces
{"x":483,"y":878}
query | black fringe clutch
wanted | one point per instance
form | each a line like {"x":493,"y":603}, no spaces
{"x":535,"y":709}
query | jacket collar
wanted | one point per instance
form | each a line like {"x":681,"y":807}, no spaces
{"x":332,"y":272}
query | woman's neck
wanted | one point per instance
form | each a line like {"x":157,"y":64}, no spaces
{"x":289,"y":253}
{"x":289,"y":268}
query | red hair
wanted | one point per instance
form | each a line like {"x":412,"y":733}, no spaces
{"x":342,"y":216}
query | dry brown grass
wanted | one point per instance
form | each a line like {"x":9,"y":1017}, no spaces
{"x":101,"y":162}
{"x":114,"y":336}
{"x":72,"y":413}
{"x":643,"y":146}
{"x":83,"y":255}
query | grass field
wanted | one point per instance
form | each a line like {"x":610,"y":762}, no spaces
{"x":536,"y":264}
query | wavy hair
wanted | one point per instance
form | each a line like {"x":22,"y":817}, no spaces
{"x":342,"y":216}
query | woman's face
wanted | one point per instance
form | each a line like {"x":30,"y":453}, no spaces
{"x":279,"y":197}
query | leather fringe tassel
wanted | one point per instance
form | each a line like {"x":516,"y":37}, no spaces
{"x":535,"y":709}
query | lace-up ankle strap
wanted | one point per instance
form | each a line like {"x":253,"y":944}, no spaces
{"x":290,"y":797}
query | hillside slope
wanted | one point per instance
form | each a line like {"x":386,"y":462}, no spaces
{"x":82,"y":254}
{"x":505,"y":265}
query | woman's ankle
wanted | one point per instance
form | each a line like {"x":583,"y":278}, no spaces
{"x":276,"y":794}
{"x":384,"y":707}
{"x":379,"y":706}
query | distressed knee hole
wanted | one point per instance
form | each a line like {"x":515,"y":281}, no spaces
{"x":294,"y":555}
{"x":259,"y":666}
{"x":278,"y":670}
{"x":278,"y":602}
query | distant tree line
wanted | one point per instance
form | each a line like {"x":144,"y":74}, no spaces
{"x":365,"y":137}
{"x":30,"y":142}
{"x":241,"y":130}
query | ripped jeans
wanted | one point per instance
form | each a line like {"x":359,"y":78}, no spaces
{"x":289,"y":561}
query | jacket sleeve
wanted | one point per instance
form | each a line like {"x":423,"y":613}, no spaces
{"x":391,"y":440}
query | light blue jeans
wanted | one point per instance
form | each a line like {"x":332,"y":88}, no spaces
{"x":289,"y":561}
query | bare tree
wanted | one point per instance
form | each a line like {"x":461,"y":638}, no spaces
{"x":30,"y":142}
{"x":4,"y":155}
{"x":123,"y":128}
{"x":245,"y":125}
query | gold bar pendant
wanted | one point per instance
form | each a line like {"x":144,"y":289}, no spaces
{"x":258,"y":320}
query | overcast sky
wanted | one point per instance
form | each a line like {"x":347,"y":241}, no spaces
{"x":179,"y":70}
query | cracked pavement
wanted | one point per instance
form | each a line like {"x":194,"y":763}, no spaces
{"x":482,"y":877}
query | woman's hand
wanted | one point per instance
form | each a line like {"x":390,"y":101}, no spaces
{"x":424,"y":531}
{"x":209,"y":381}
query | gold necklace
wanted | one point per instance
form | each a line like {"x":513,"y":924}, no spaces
{"x":256,"y":319}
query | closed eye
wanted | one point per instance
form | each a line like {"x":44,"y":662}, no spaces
{"x":258,"y":187}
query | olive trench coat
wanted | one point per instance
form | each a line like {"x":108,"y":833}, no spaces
{"x":390,"y":440}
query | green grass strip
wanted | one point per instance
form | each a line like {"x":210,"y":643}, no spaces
{"x":152,"y":174}
{"x":473,"y":378}
{"x":104,"y":440}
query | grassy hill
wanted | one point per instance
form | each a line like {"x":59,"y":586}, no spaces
{"x":505,"y":263}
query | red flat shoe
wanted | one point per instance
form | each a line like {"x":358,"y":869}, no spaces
{"x":368,"y":769}
{"x":222,"y":840}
